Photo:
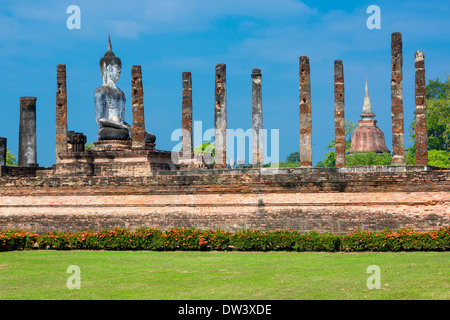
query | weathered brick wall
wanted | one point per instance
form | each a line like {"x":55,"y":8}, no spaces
{"x":297,"y":198}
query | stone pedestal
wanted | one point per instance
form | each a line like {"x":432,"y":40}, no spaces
{"x":112,"y":145}
{"x":111,"y":158}
{"x":108,"y":133}
{"x":117,"y":159}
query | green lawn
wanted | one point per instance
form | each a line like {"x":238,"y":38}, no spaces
{"x":223,"y":275}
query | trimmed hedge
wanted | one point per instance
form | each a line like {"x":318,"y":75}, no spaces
{"x":244,"y":240}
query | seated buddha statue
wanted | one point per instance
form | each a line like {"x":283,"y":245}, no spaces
{"x":110,"y":101}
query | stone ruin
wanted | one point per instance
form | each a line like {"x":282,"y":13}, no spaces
{"x":123,"y":180}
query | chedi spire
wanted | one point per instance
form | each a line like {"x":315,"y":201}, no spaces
{"x":367,"y":113}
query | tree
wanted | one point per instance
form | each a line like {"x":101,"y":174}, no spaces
{"x":439,"y":158}
{"x":292,"y":160}
{"x":294,"y":157}
{"x":435,"y":89}
{"x":205,"y":147}
{"x":438,"y":123}
{"x":330,"y":157}
{"x":10,"y":158}
{"x":89,"y":146}
{"x":368,"y":158}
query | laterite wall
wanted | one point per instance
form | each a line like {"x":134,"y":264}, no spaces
{"x":330,"y":199}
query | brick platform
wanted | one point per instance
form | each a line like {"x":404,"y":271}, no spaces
{"x":321,"y":199}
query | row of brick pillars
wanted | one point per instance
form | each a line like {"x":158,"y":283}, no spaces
{"x":220,"y":113}
{"x":398,"y":144}
{"x":398,"y":136}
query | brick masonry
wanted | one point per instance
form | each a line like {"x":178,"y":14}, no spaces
{"x":137,"y":90}
{"x":187,"y":147}
{"x":305,"y":112}
{"x":339,"y":113}
{"x":421,"y":110}
{"x":27,"y":156}
{"x":220,"y":116}
{"x":257,"y":120}
{"x":61,"y":111}
{"x":398,"y":135}
{"x":335,"y":200}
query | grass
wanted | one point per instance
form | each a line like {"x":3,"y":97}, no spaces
{"x":223,"y":275}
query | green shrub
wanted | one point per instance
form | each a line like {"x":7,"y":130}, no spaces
{"x":17,"y":240}
{"x":282,"y":239}
{"x":249,"y":240}
{"x":244,"y":240}
{"x":313,"y":241}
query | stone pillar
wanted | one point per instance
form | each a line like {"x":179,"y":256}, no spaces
{"x":339,"y":113}
{"x":220,"y":116}
{"x":3,"y":151}
{"x":137,"y":100}
{"x":398,"y":136}
{"x":186,"y":116}
{"x":257,"y":120}
{"x":27,"y":132}
{"x":305,"y":113}
{"x":61,"y":111}
{"x":421,"y":111}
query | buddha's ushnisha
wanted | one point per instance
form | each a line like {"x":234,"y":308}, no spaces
{"x":110,"y":100}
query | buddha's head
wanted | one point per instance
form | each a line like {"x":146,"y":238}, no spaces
{"x":110,"y":65}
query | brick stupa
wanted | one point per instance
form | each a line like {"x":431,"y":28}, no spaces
{"x":367,"y":136}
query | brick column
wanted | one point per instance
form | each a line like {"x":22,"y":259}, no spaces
{"x":61,"y":111}
{"x":421,"y":111}
{"x":257,"y":120}
{"x":186,"y":116}
{"x":305,"y":113}
{"x":398,"y":136}
{"x":27,"y":132}
{"x":220,"y":116}
{"x":137,"y":100}
{"x":339,"y":115}
{"x":3,"y":151}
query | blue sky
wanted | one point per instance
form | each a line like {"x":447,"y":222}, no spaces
{"x":168,"y":37}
